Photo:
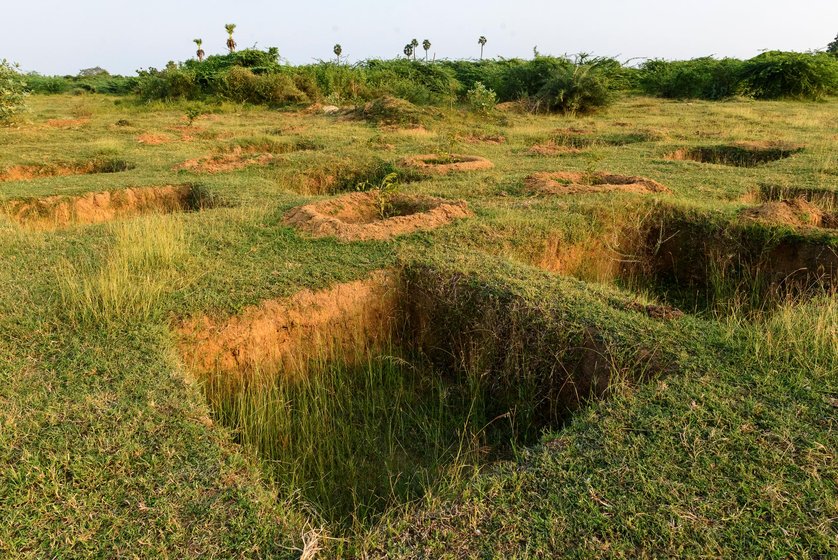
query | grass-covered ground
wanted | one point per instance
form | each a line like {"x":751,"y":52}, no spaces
{"x":726,"y":449}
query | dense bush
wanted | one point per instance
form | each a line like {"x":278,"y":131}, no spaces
{"x":776,"y":75}
{"x":12,"y":91}
{"x":700,"y":78}
{"x":771,"y":75}
{"x":577,"y":88}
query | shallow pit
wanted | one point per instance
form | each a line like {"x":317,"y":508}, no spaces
{"x":745,"y":154}
{"x":374,"y":215}
{"x":448,"y":163}
{"x":570,"y":182}
{"x":42,"y":170}
{"x":245,"y":152}
{"x":53,"y":212}
{"x":331,"y":176}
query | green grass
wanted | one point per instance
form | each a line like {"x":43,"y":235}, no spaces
{"x":716,"y":437}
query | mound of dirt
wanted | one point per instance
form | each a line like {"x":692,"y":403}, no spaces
{"x":54,"y":212}
{"x":358,"y":216}
{"x":581,"y":183}
{"x":233,"y":160}
{"x":389,"y":110}
{"x":434,"y":163}
{"x":282,"y":336}
{"x":741,"y":154}
{"x":550,"y":148}
{"x":797,"y":212}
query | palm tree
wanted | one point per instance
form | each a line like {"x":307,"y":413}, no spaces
{"x":200,"y":52}
{"x":231,"y":43}
{"x":408,"y":50}
{"x":482,"y":42}
{"x":833,"y":47}
{"x":414,"y":44}
{"x":337,"y":50}
{"x":427,"y":46}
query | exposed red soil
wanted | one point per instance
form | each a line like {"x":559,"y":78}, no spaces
{"x":581,"y":183}
{"x":30,"y":172}
{"x":357,"y":217}
{"x":54,"y":212}
{"x":796,"y":213}
{"x":282,"y":336}
{"x":435,"y":163}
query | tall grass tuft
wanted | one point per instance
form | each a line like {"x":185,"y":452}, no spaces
{"x":354,"y":440}
{"x":130,"y":281}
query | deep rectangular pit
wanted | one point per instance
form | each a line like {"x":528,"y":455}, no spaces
{"x":362,"y":395}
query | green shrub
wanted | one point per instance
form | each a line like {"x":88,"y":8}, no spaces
{"x":481,"y":99}
{"x":12,"y":91}
{"x":777,"y":74}
{"x":243,"y":85}
{"x":576,"y":89}
{"x":700,"y":78}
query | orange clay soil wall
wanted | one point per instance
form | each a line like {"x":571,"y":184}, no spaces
{"x":58,"y":211}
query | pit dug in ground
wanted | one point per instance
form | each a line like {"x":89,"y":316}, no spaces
{"x":581,"y":183}
{"x":704,"y":262}
{"x":59,"y":211}
{"x":38,"y":171}
{"x":447,"y":163}
{"x":738,"y":155}
{"x":374,"y":215}
{"x":244,"y":153}
{"x":361,"y":396}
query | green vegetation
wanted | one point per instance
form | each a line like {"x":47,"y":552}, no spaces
{"x":539,"y":395}
{"x":12,"y":91}
{"x":771,"y":75}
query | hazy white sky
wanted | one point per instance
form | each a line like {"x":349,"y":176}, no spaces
{"x":63,"y":36}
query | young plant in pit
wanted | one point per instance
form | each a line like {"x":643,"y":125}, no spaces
{"x":383,"y":192}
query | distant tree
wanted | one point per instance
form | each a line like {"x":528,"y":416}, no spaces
{"x":231,"y":43}
{"x":427,"y":46}
{"x":482,"y":42}
{"x":200,"y":52}
{"x":338,"y":50}
{"x":833,"y":46}
{"x":414,"y":46}
{"x":95,"y":71}
{"x":408,"y":50}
